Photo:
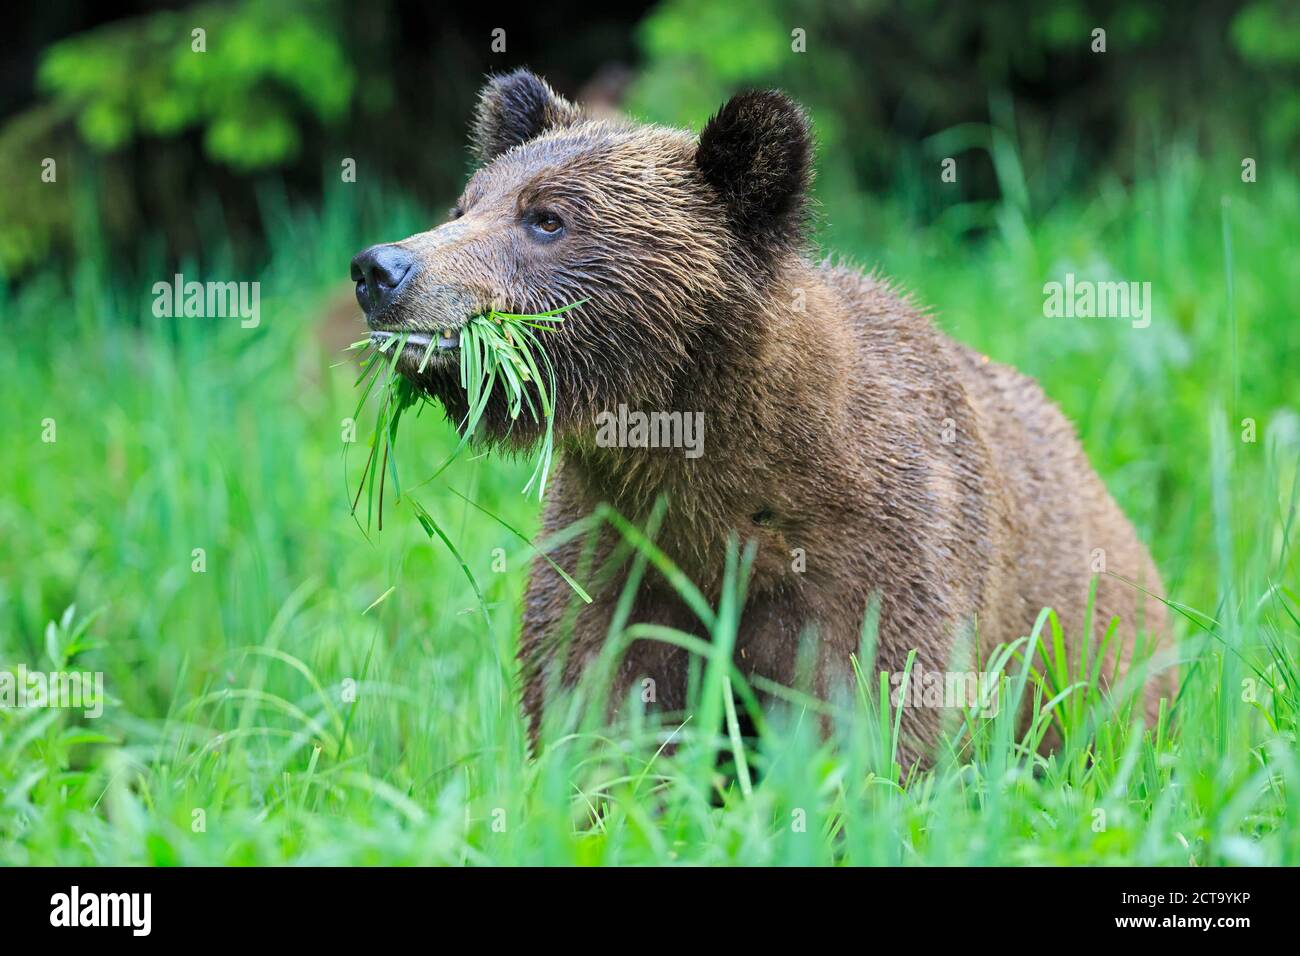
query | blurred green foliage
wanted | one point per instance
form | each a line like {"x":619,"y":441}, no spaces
{"x":33,"y":214}
{"x":895,"y":86}
{"x":247,"y":74}
{"x":1268,"y":31}
{"x":259,"y":75}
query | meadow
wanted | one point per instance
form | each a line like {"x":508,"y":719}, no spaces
{"x":285,"y":687}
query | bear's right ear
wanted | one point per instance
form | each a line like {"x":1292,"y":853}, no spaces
{"x":757,"y":153}
{"x":515,"y":108}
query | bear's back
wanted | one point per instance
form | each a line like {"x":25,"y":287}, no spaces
{"x":1049,"y":523}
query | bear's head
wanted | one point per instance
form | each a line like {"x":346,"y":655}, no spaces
{"x":669,"y":241}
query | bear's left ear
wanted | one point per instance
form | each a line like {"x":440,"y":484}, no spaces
{"x":514,"y":108}
{"x":757,"y":153}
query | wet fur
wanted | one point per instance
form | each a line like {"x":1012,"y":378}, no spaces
{"x":826,"y":395}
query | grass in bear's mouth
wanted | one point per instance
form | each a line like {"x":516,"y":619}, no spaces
{"x":496,"y":347}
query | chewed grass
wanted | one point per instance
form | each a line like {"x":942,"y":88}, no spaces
{"x":502,"y":349}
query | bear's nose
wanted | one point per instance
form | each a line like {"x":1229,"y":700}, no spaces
{"x":379,"y":272}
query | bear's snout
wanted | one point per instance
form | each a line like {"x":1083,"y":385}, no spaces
{"x":380,"y":272}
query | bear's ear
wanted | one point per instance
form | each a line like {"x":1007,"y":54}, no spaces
{"x":513,"y":109}
{"x":757,"y":153}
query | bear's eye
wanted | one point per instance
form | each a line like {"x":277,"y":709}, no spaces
{"x":455,"y":213}
{"x":546,"y":223}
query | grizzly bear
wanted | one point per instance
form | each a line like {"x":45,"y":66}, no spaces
{"x":865,"y":455}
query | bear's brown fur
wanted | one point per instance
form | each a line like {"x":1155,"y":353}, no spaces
{"x":840,"y":424}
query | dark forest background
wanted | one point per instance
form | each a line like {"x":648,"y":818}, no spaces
{"x":171,"y":142}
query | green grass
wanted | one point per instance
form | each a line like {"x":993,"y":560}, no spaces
{"x":497,"y":349}
{"x":316,"y":696}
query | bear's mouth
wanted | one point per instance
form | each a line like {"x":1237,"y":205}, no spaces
{"x":442,"y":340}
